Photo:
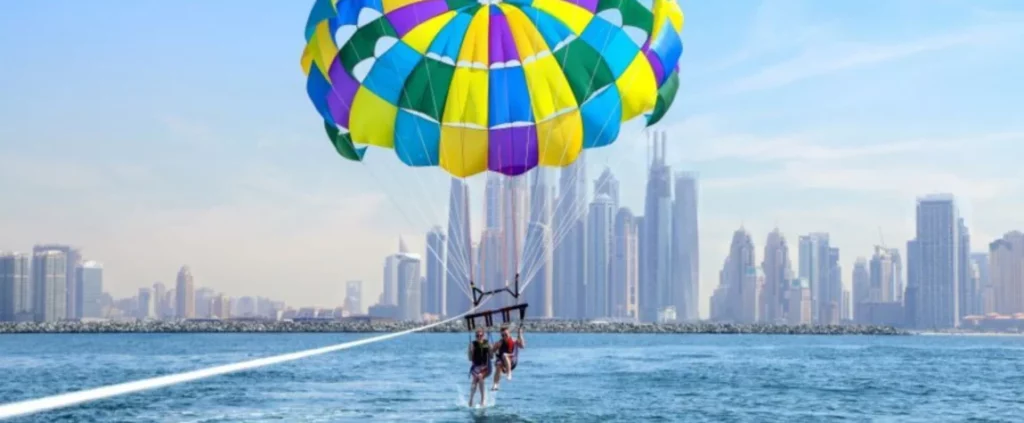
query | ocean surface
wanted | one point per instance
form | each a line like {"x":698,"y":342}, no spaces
{"x":560,"y":378}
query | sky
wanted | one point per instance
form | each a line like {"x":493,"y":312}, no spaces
{"x":156,"y":134}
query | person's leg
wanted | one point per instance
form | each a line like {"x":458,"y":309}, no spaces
{"x":483,"y":393}
{"x":497,"y":374}
{"x":508,"y":365}
{"x":474,"y":381}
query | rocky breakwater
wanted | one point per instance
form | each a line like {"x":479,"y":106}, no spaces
{"x":380,"y":326}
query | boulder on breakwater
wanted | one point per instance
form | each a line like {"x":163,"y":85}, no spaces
{"x":380,"y":326}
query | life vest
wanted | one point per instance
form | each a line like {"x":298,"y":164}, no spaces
{"x":481,"y":352}
{"x":508,"y":345}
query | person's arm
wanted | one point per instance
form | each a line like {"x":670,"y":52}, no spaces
{"x":469,"y":352}
{"x":497,"y":348}
{"x":519,"y":339}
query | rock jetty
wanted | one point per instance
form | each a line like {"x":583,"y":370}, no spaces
{"x":380,"y":326}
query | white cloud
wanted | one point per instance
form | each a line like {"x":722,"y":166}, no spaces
{"x":908,"y":180}
{"x":823,"y":57}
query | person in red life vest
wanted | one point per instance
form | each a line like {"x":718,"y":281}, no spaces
{"x":507,"y":354}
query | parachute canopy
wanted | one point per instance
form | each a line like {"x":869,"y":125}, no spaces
{"x":499,"y":85}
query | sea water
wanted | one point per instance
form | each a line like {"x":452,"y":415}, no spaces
{"x":560,"y":378}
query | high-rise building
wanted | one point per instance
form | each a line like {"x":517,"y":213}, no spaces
{"x":15,"y":287}
{"x":799,"y":302}
{"x":832,"y":306}
{"x":537,"y":269}
{"x":936,"y":269}
{"x":515,"y":215}
{"x":160,"y":297}
{"x":847,"y":310}
{"x":433,"y":291}
{"x":778,"y":273}
{"x":600,"y":234}
{"x":204,"y":297}
{"x":354,"y":297}
{"x":571,"y":240}
{"x":624,"y":267}
{"x":911,"y":295}
{"x":986,"y":293}
{"x":409,"y":282}
{"x":686,"y":248}
{"x":89,"y":292}
{"x":49,"y":284}
{"x":390,"y":294}
{"x":608,"y":185}
{"x":220,"y":307}
{"x":964,"y":291}
{"x":883,"y":270}
{"x":458,"y":250}
{"x":819,"y":265}
{"x":145,"y":307}
{"x":656,"y":289}
{"x":862,"y":288}
{"x":186,"y":294}
{"x":491,"y":265}
{"x":975,"y":303}
{"x":735,"y":300}
{"x":897,"y":265}
{"x":73,"y":258}
{"x":494,"y":201}
{"x":1006,"y":271}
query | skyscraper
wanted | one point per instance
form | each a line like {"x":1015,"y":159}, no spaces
{"x":186,"y":294}
{"x":862,"y":289}
{"x":409,"y":283}
{"x":160,"y":297}
{"x":354,"y":297}
{"x":622,"y":294}
{"x":608,"y":185}
{"x":601,"y":224}
{"x":515,"y":215}
{"x":938,"y":244}
{"x":145,"y":309}
{"x":492,"y":266}
{"x":49,"y":284}
{"x":536,"y":279}
{"x":897,"y":265}
{"x":686,"y":248}
{"x":799,"y":302}
{"x":89,"y":278}
{"x":832,"y":304}
{"x":494,"y":201}
{"x":1007,"y":273}
{"x":15,"y":287}
{"x":912,"y":294}
{"x":656,"y":289}
{"x":883,"y":276}
{"x":735,"y":298}
{"x":389,"y":296}
{"x":571,"y":240}
{"x":433,"y":291}
{"x":458,"y":250}
{"x":986,"y":293}
{"x":73,"y":258}
{"x":815,"y":263}
{"x":778,"y":274}
{"x":964,"y":290}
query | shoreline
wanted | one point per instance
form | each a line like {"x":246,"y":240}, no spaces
{"x":363,"y":326}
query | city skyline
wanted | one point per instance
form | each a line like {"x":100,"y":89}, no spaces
{"x":780,"y":116}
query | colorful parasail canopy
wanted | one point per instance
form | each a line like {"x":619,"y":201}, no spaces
{"x":499,"y":85}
